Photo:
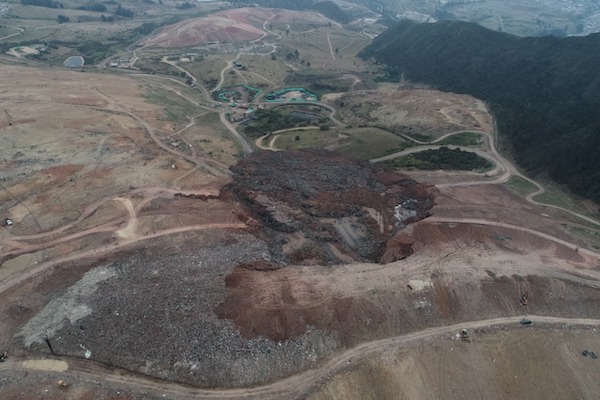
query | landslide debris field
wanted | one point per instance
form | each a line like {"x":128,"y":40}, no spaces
{"x":148,"y":249}
{"x":231,"y":310}
{"x":320,"y":208}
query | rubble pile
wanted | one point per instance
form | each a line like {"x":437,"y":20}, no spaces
{"x":340,"y":207}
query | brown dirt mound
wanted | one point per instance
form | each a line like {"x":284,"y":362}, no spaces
{"x":447,"y":235}
{"x":282,"y":304}
{"x":497,"y":364}
{"x":231,"y":26}
{"x":279,"y":307}
{"x":198,"y":31}
{"x":398,"y":248}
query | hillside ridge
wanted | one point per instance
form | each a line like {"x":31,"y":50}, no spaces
{"x":543,"y":90}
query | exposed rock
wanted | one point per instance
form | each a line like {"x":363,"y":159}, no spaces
{"x":259,"y":265}
{"x":338,"y":205}
{"x":398,"y":248}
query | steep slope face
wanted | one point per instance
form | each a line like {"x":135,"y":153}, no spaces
{"x":207,"y":310}
{"x":544,"y":91}
{"x":318,"y":207}
{"x":220,"y":27}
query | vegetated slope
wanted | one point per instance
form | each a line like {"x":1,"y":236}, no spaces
{"x":332,"y":11}
{"x":443,"y":158}
{"x":545,"y":91}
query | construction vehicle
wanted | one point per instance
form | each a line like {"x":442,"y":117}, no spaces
{"x":524,"y":299}
{"x":62,"y":384}
{"x":586,"y":353}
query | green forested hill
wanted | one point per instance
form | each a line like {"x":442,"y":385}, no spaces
{"x":544,"y":91}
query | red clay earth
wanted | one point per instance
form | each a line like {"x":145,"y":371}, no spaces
{"x":231,"y":26}
{"x":219,"y":310}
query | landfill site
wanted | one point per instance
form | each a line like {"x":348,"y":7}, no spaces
{"x":149,"y":250}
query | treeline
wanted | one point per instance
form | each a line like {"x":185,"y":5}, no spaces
{"x":93,"y":7}
{"x":443,"y":158}
{"x":332,"y":11}
{"x":267,"y":121}
{"x":120,"y":12}
{"x":97,"y":7}
{"x":185,"y":6}
{"x":43,"y":3}
{"x":544,"y":92}
{"x":124,"y":12}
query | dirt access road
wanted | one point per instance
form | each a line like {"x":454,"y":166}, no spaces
{"x":502,"y":164}
{"x":297,"y":386}
{"x":246,"y":147}
{"x":124,"y":228}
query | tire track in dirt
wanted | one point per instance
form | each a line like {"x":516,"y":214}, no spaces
{"x":509,"y":169}
{"x":157,"y":191}
{"x":296,"y":386}
{"x":515,"y":227}
{"x":21,"y":30}
{"x":9,"y":283}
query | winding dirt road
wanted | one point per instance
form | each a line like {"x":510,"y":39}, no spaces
{"x":15,"y":245}
{"x":478,"y":221}
{"x":227,"y":67}
{"x":296,"y":386}
{"x":509,"y":170}
{"x":21,"y":30}
{"x":247,"y":149}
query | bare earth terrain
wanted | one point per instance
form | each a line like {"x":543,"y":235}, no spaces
{"x":231,"y":26}
{"x":413,"y":110}
{"x":153,"y":252}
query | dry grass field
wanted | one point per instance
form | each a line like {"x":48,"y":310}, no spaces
{"x":114,"y":139}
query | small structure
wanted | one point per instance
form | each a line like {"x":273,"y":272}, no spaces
{"x":75,"y":62}
{"x":8,"y":222}
{"x":291,"y":94}
{"x":25,"y":51}
{"x":237,"y":93}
